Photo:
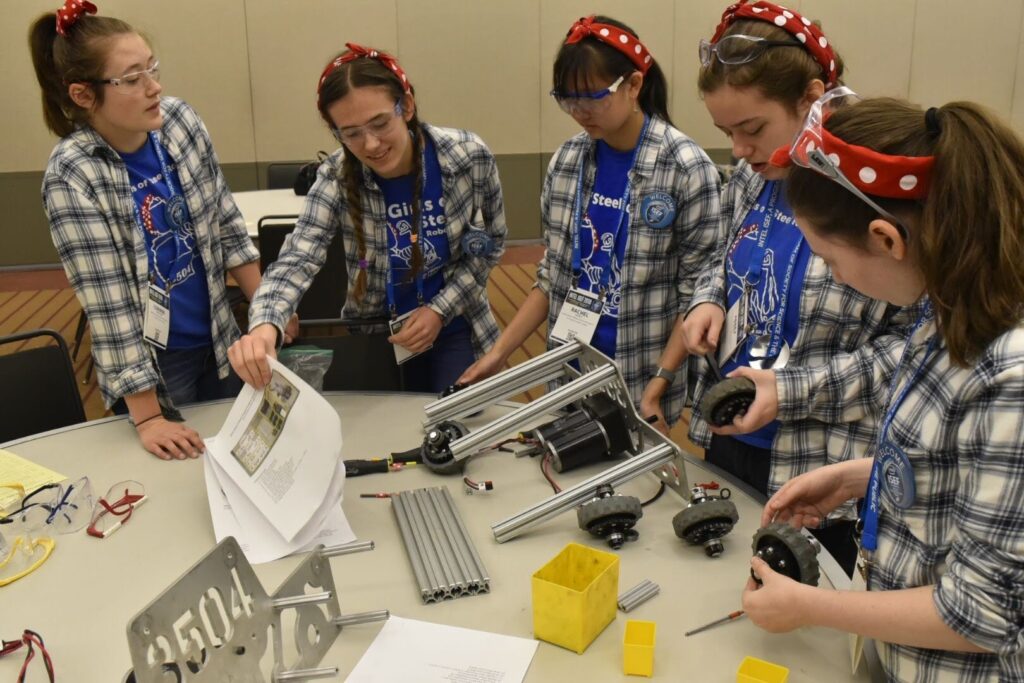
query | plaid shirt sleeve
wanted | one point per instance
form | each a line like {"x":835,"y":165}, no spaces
{"x":304,"y":251}
{"x":710,"y":285}
{"x":466,"y":275}
{"x":981,"y":594}
{"x":851,"y":386}
{"x":236,"y":246}
{"x":88,"y":241}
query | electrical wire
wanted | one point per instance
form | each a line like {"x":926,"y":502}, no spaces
{"x":656,"y":496}
{"x":545,"y":468}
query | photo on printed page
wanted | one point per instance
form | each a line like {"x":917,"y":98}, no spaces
{"x":260,"y":436}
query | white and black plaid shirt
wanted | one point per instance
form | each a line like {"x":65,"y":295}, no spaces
{"x":472,"y":199}
{"x":660,"y":265}
{"x":963,"y":432}
{"x":835,"y":321}
{"x":88,"y":201}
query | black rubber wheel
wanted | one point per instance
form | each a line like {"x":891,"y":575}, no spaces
{"x":788,"y":552}
{"x":702,"y":521}
{"x":435,"y":453}
{"x":727,"y":399}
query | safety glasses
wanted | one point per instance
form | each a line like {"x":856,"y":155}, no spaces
{"x":378,"y":126}
{"x":25,"y":543}
{"x":65,"y":507}
{"x":586,"y":103}
{"x":738,"y":49}
{"x":808,"y":150}
{"x":115,"y":508}
{"x":134,"y":80}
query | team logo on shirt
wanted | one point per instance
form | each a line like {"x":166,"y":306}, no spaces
{"x":177,"y":231}
{"x":658,"y":209}
{"x":897,"y":475}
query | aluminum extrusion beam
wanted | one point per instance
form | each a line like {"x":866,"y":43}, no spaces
{"x":575,"y":496}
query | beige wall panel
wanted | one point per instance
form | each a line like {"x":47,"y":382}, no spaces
{"x":475,"y":66}
{"x":289,"y":44}
{"x":693,"y":21}
{"x":651,"y":19}
{"x":1017,"y":106}
{"x":966,"y":52}
{"x":874,"y":38}
{"x":201,"y":46}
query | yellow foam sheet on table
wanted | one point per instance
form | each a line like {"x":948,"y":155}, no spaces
{"x":15,"y":469}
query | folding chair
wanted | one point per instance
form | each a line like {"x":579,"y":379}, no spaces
{"x":39,"y":389}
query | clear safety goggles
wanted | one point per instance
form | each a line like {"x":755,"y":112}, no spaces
{"x":586,"y":103}
{"x":738,"y":49}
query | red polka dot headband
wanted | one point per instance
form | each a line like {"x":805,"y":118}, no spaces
{"x":869,"y":171}
{"x":72,"y":12}
{"x":357,"y":52}
{"x":623,"y":41}
{"x":792,"y":23}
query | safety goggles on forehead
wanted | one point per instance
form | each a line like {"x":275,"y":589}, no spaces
{"x":860,"y":170}
{"x":738,"y":49}
{"x":582,"y":102}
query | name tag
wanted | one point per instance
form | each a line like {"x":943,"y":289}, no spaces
{"x":402,"y":354}
{"x":734,"y":331}
{"x":157,"y":326}
{"x":578,"y":318}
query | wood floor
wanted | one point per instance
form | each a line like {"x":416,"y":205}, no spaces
{"x":43,"y":299}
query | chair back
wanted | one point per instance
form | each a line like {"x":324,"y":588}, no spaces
{"x":325,"y":297}
{"x":282,"y":175}
{"x":362,"y":362}
{"x":39,"y":391}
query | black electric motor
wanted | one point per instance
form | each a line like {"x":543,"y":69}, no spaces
{"x":596,"y":431}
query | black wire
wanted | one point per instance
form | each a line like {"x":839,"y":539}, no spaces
{"x":656,"y":496}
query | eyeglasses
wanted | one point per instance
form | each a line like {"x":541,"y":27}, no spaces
{"x":378,"y":126}
{"x":738,"y":49}
{"x":134,"y":80}
{"x":586,"y":103}
{"x":65,"y":507}
{"x":115,"y":509}
{"x":25,"y":543}
{"x":806,"y":149}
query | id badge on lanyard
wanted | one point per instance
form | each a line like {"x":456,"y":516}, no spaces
{"x":579,"y":316}
{"x":157,"y":326}
{"x":736,"y":328}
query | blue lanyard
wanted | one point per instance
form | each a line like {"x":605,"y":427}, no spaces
{"x":390,"y":292}
{"x":151,"y":251}
{"x":577,"y":217}
{"x":872,"y":506}
{"x":754,"y":267}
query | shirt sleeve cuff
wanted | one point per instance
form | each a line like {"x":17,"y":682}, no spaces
{"x":794,"y":387}
{"x":134,"y":380}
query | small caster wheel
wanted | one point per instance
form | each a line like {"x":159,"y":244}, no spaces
{"x":435,"y":452}
{"x":727,"y":399}
{"x":706,"y":520}
{"x":611,"y":517}
{"x":788,"y":552}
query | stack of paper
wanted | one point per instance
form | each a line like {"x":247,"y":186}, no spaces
{"x":16,"y":470}
{"x":274,"y":473}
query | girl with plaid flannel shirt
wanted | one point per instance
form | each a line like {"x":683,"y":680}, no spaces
{"x":767,"y":300}
{"x":629,"y":208}
{"x":421,"y":214}
{"x":143,"y":222}
{"x":890,"y":196}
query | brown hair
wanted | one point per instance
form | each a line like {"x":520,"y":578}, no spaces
{"x":966,"y":236}
{"x":575,"y":64}
{"x":77,"y":58}
{"x":367,"y":72}
{"x":781,"y":74}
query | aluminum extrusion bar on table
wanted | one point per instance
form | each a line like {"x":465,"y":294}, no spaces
{"x":582,"y":386}
{"x":575,"y":496}
{"x":542,"y":368}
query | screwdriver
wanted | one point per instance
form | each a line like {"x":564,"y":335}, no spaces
{"x":732,"y":615}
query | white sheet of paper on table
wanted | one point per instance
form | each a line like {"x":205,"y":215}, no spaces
{"x":410,"y":650}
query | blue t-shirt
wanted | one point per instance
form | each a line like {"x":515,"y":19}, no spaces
{"x":784,"y":242}
{"x":175,"y":264}
{"x":433,"y":238}
{"x":601,"y":251}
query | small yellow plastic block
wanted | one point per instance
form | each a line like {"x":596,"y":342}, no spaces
{"x":638,"y":648}
{"x":754,"y":670}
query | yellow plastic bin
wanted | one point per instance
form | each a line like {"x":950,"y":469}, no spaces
{"x":638,"y":648}
{"x":754,"y":670}
{"x":574,"y":596}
